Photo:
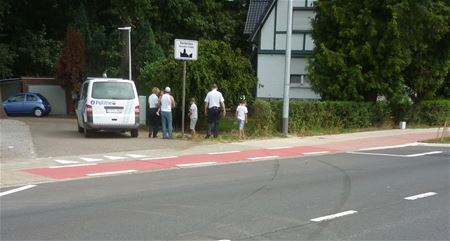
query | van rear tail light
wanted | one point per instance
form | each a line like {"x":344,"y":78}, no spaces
{"x":137,"y":111}
{"x":88,"y":110}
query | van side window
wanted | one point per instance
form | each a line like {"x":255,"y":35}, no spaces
{"x":85,"y":90}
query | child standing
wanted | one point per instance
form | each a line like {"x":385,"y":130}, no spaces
{"x":193,"y":115}
{"x":241,"y":116}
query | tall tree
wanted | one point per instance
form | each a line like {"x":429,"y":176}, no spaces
{"x":71,"y":63}
{"x":425,"y":30}
{"x":358,"y":53}
{"x":217,"y":63}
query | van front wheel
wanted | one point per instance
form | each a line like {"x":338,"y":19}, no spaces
{"x":134,"y":133}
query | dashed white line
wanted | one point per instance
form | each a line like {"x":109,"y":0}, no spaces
{"x":76,"y":165}
{"x":66,"y":162}
{"x":114,"y":157}
{"x":424,"y":154}
{"x":90,"y":159}
{"x":110,"y":173}
{"x":423,"y":195}
{"x":262,"y":157}
{"x":333,"y":216}
{"x":222,"y":152}
{"x":135,"y":155}
{"x":199,"y":164}
{"x":16,"y":190}
{"x":280,"y":147}
{"x":157,"y":158}
{"x":316,"y":153}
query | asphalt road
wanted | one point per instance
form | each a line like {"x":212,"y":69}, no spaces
{"x":54,"y":136}
{"x":266,"y":200}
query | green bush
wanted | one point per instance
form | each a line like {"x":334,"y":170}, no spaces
{"x":431,"y":112}
{"x":263,"y":118}
{"x":305,"y":116}
{"x":381,"y":114}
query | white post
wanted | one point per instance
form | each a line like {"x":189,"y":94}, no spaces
{"x":287,"y":70}
{"x":129,"y":53}
{"x":183,"y":105}
{"x":129,"y":50}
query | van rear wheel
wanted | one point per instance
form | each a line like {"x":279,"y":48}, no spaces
{"x":134,"y":133}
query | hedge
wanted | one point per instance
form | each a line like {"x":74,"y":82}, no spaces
{"x":316,"y":115}
{"x":431,"y":112}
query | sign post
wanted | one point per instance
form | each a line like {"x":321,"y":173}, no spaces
{"x":186,"y":50}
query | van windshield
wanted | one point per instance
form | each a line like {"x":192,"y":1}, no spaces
{"x":112,"y":90}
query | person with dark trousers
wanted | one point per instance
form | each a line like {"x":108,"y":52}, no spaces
{"x":154,"y":119}
{"x":213,"y":102}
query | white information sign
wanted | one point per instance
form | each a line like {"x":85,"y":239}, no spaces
{"x":186,"y":49}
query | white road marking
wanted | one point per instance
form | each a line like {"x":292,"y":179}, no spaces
{"x":222,"y":152}
{"x":375,"y":154}
{"x":262,"y":157}
{"x":224,"y":240}
{"x":114,"y":157}
{"x":157,"y":158}
{"x":333,"y":216}
{"x":90,"y":159}
{"x":433,"y":144}
{"x":136,"y":155}
{"x":16,"y":190}
{"x":315,"y":153}
{"x":66,"y":162}
{"x":394,"y":155}
{"x":280,"y":147}
{"x":199,"y":164}
{"x":110,"y":173}
{"x":76,"y":165}
{"x":423,"y":195}
{"x":424,"y":154}
{"x":389,"y":147}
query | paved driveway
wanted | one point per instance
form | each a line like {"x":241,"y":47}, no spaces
{"x":54,"y":136}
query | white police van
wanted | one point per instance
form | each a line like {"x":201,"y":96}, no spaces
{"x":107,"y":104}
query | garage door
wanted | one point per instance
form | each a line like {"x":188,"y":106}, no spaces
{"x":55,"y":95}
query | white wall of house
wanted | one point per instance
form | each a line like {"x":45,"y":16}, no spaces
{"x":271,"y":57}
{"x":55,"y":94}
{"x":271,"y":77}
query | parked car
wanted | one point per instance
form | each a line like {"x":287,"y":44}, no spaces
{"x":108,"y":104}
{"x":27,"y":104}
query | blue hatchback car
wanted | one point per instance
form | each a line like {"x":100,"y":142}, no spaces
{"x":27,"y":104}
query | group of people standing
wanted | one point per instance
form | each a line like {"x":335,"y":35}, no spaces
{"x":161,"y":106}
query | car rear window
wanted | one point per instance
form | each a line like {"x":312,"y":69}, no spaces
{"x":113,"y":90}
{"x":43,"y":98}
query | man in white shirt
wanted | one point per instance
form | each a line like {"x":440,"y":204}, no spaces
{"x":153,"y":116}
{"x":166,"y":104}
{"x":213,"y":101}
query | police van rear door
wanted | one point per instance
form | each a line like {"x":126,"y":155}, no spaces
{"x":113,"y":103}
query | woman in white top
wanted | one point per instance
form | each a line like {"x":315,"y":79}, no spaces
{"x":153,"y":116}
{"x":166,"y":103}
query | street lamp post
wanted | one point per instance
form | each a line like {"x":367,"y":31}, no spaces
{"x":129,"y":49}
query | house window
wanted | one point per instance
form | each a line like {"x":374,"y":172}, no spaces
{"x":311,"y":3}
{"x":300,"y":80}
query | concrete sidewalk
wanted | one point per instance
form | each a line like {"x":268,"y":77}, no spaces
{"x":12,"y":173}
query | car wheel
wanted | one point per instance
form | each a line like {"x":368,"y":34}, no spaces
{"x":134,"y":133}
{"x":38,"y":112}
